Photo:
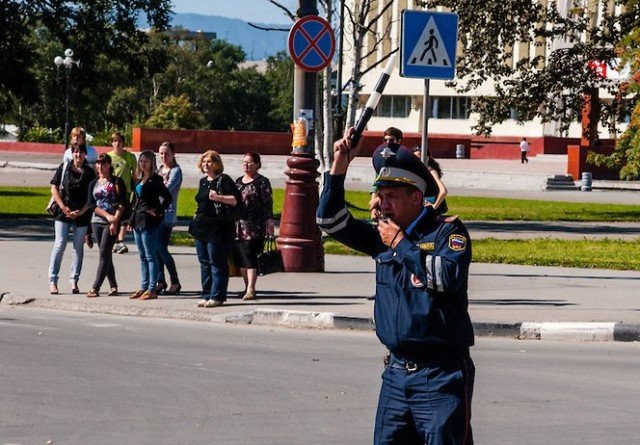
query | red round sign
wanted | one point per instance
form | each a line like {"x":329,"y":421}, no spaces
{"x":312,"y":43}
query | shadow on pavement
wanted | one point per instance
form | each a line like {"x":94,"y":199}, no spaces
{"x":520,"y":302}
{"x":547,"y":275}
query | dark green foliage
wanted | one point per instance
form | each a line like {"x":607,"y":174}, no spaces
{"x":549,"y":91}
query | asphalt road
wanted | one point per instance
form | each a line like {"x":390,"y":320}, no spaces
{"x":78,"y":378}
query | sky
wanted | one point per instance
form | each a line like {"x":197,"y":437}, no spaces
{"x":260,"y":11}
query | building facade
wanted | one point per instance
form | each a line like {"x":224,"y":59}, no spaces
{"x":402,"y":103}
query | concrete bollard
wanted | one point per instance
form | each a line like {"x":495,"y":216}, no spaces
{"x":586,"y":181}
{"x":459,"y":151}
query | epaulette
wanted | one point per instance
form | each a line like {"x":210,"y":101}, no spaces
{"x":447,"y":218}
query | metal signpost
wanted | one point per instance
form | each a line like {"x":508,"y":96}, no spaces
{"x":428,"y":51}
{"x":311,"y":46}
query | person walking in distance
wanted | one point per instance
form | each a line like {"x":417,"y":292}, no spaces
{"x":124,"y":165}
{"x":524,"y":151}
{"x":421,"y":304}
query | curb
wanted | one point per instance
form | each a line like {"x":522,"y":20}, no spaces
{"x":558,"y":331}
{"x":29,"y":165}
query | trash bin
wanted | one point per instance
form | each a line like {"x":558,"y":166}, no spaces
{"x":459,"y":151}
{"x":586,"y":181}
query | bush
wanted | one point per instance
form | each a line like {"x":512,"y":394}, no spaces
{"x":176,"y":112}
{"x":41,"y":134}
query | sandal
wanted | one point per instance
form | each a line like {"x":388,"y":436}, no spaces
{"x":250,"y":295}
{"x":74,"y":288}
{"x":53,"y":288}
{"x":113,"y":292}
{"x":93,"y":293}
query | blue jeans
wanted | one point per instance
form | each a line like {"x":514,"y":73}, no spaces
{"x":147,"y":242}
{"x":164,"y":256}
{"x":60,"y":244}
{"x":214,"y":269}
{"x":431,"y":405}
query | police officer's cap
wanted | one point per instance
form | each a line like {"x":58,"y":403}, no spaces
{"x":396,"y":165}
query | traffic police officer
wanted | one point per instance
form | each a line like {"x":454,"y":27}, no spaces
{"x":422,"y":267}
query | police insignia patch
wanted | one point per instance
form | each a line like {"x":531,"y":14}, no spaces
{"x":457,"y":242}
{"x":427,"y":246}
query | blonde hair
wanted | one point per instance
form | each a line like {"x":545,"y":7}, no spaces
{"x":151,"y":156}
{"x":78,"y":131}
{"x":218,"y":167}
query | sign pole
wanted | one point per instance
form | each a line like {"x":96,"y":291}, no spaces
{"x":425,"y":123}
{"x":300,"y":240}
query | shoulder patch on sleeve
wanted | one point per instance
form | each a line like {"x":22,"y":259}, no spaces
{"x":457,"y":243}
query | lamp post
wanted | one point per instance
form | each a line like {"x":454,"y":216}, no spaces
{"x":67,"y":62}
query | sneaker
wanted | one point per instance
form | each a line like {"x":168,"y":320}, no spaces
{"x":122,"y":248}
{"x":213,"y":303}
{"x":116,"y":246}
{"x":202,"y":303}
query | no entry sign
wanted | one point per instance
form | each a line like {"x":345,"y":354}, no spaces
{"x":312,"y":43}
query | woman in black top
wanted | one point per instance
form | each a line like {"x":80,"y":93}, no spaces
{"x":107,"y":200}
{"x":152,"y":199}
{"x":69,"y":188}
{"x":213,"y":227}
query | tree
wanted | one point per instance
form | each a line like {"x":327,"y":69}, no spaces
{"x":279,"y":77}
{"x":569,"y":38}
{"x":176,"y":112}
{"x":104,"y":37}
{"x":626,"y":155}
{"x":16,"y":82}
{"x":363,"y":21}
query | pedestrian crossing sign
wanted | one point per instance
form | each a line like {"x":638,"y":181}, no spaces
{"x":428,"y":44}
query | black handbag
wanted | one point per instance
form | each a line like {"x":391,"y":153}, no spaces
{"x":201,"y":227}
{"x":270,"y":260}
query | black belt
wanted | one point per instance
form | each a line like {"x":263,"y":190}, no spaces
{"x":416,"y":363}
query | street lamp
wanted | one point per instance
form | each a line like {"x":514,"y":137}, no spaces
{"x":67,"y":62}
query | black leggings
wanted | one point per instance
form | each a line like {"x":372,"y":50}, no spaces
{"x":105,"y":265}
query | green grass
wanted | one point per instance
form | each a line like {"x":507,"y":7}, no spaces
{"x":585,"y":254}
{"x":24,"y":201}
{"x":30,"y":201}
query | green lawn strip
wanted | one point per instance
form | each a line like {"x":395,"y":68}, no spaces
{"x":31,"y":201}
{"x":24,"y":201}
{"x":585,"y":254}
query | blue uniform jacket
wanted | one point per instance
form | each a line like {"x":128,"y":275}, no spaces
{"x":421,"y":286}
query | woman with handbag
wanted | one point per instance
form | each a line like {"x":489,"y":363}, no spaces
{"x":151,"y":201}
{"x":70,"y":190}
{"x":107,"y":200}
{"x":255,"y":223}
{"x":172,"y":175}
{"x":212,"y":227}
